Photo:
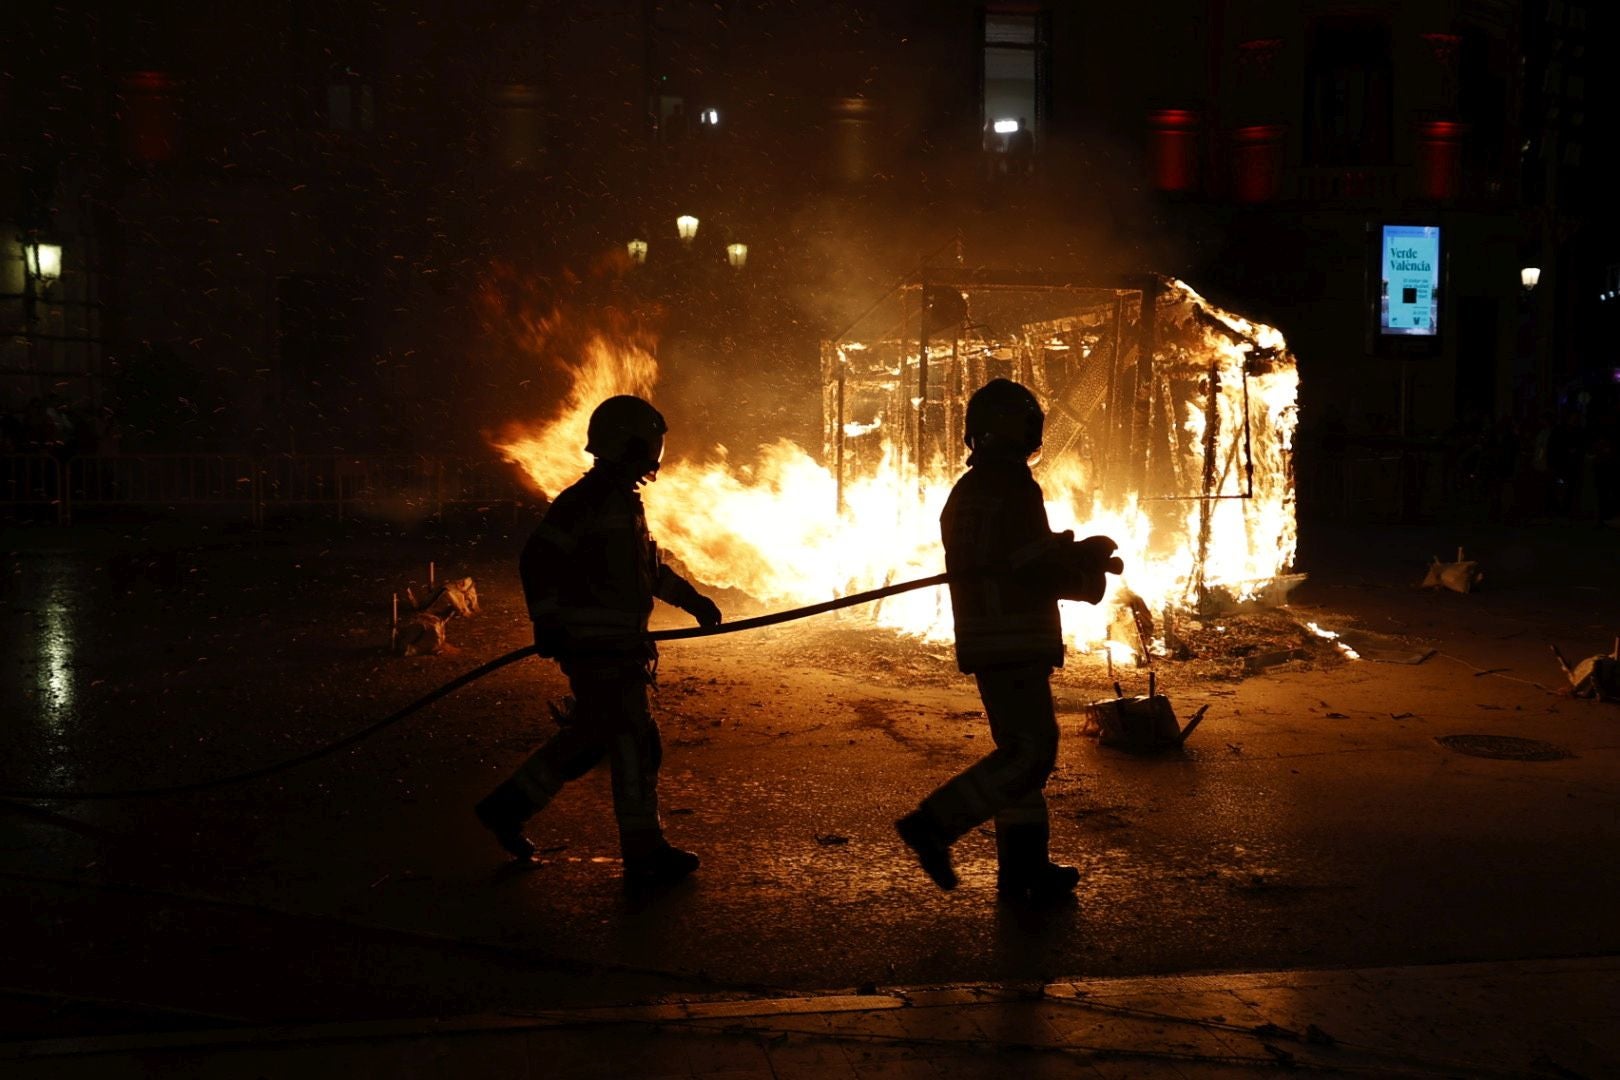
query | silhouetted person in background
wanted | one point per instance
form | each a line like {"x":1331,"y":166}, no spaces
{"x":1501,"y":467}
{"x":1566,"y":453}
{"x":675,"y":126}
{"x":590,"y":573}
{"x":1021,"y":150}
{"x":994,"y":147}
{"x":1008,"y":571}
{"x":1605,"y":448}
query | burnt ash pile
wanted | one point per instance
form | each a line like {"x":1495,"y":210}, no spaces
{"x":1232,"y":647}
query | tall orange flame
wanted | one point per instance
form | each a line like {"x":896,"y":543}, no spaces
{"x":771,"y":529}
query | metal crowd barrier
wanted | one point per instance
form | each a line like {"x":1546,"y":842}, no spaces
{"x":1385,"y":483}
{"x":32,"y":480}
{"x":162,"y":481}
{"x":393,"y":487}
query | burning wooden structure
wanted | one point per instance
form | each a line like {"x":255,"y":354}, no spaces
{"x":1169,"y":428}
{"x":1161,"y":409}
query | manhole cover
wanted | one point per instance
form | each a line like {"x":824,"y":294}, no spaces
{"x":1505,"y":747}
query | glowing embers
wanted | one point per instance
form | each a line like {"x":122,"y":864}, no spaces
{"x":1333,"y":636}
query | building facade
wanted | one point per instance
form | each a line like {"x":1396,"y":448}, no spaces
{"x":274,"y":225}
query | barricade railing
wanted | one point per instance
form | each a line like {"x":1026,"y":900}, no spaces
{"x":32,"y":480}
{"x":1389,"y":482}
{"x":162,"y":481}
{"x":393,"y":487}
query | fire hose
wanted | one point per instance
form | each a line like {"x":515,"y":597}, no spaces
{"x":457,"y":683}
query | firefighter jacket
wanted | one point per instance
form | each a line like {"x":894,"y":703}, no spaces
{"x":591,"y":569}
{"x":999,"y":550}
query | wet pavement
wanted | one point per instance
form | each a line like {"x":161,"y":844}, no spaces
{"x":1314,"y":821}
{"x":1523,"y":1019}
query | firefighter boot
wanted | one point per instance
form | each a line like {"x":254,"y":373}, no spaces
{"x":1024,"y":872}
{"x":656,"y":863}
{"x":929,"y":843}
{"x":503,"y":812}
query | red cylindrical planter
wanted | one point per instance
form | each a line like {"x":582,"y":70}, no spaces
{"x":1257,"y":162}
{"x":517,"y":125}
{"x":853,"y":154}
{"x":151,"y":116}
{"x":1173,"y":149}
{"x":1439,"y":159}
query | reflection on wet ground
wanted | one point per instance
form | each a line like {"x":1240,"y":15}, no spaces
{"x":128,"y":660}
{"x":41,"y":627}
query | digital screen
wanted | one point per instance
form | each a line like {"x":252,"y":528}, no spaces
{"x":1409,"y":302}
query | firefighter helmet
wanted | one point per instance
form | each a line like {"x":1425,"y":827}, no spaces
{"x":1004,"y":412}
{"x":628,"y":430}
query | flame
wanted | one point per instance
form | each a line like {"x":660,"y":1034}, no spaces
{"x":1333,"y":636}
{"x":770,"y":528}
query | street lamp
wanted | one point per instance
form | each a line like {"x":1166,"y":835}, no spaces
{"x":44,"y":261}
{"x":1529,"y":276}
{"x":638,"y":251}
{"x":737,"y":255}
{"x":687,"y":226}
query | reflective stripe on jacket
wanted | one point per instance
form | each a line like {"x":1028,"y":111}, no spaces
{"x":996,"y":534}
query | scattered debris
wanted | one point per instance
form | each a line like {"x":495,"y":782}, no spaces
{"x":454,"y":598}
{"x":1460,"y":576}
{"x":421,"y":632}
{"x":1143,"y":724}
{"x":1262,"y":661}
{"x":1142,"y":620}
{"x":1504,"y":747}
{"x":1596,"y":676}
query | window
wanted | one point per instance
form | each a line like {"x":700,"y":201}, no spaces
{"x":1347,"y":94}
{"x":1015,"y":63}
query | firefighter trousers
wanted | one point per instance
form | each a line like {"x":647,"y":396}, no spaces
{"x":1006,"y":784}
{"x":610,"y":719}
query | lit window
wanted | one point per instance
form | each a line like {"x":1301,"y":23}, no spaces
{"x":1016,"y":66}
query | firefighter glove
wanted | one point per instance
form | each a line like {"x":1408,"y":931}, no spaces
{"x":1085,"y":566}
{"x":704,"y":610}
{"x":1100,"y":550}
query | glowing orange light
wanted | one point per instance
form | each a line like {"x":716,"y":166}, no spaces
{"x":770,"y":529}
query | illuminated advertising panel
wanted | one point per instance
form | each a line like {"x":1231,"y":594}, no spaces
{"x":1409,"y":265}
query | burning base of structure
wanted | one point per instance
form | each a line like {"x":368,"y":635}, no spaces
{"x":1170,"y":428}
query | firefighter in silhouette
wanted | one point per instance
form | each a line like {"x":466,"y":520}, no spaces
{"x":1008,"y":571}
{"x":590,"y":572}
